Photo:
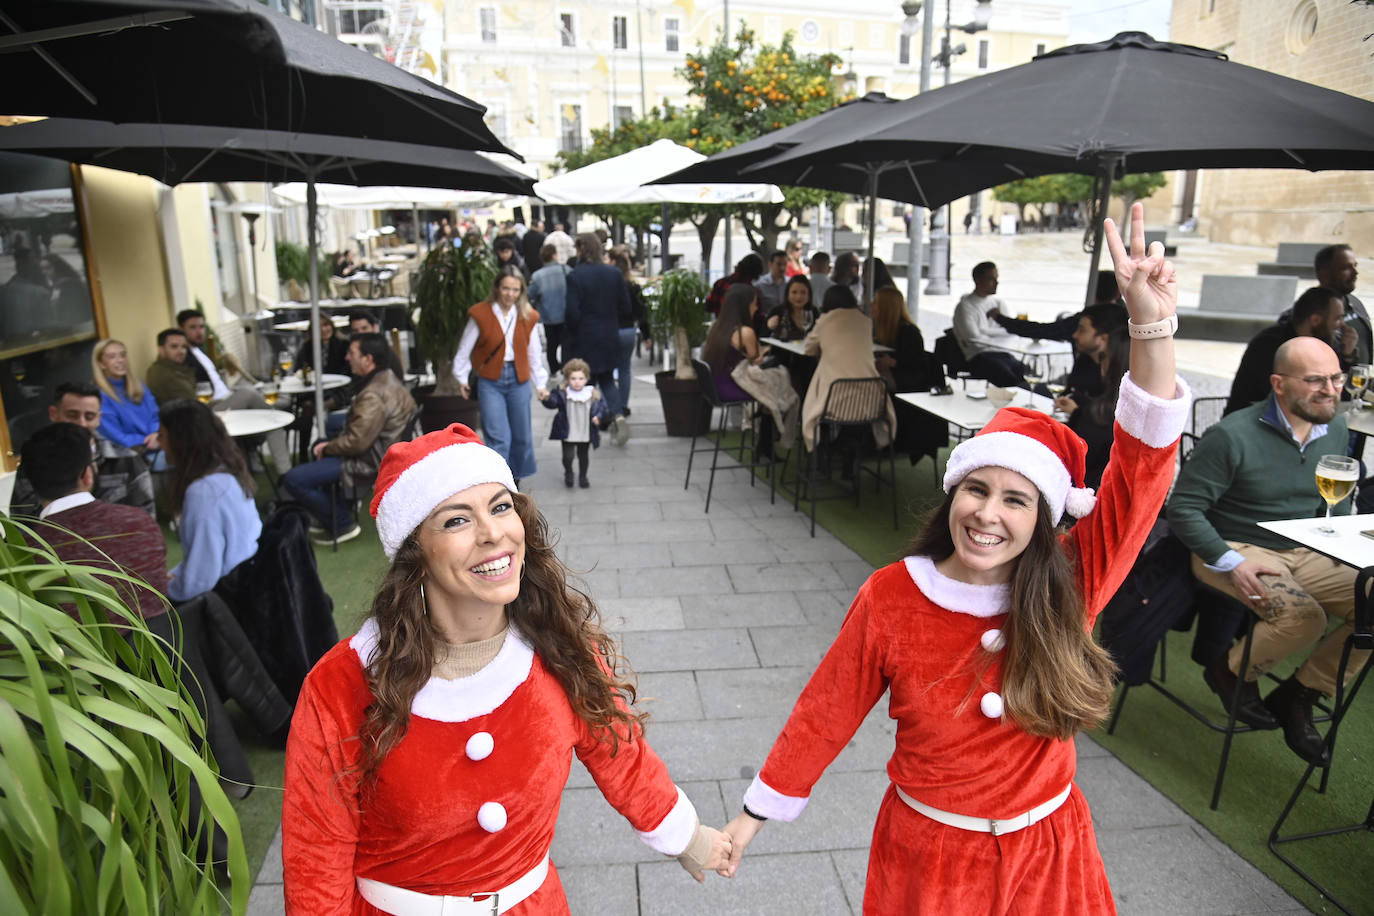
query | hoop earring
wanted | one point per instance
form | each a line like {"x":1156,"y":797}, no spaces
{"x":424,"y":602}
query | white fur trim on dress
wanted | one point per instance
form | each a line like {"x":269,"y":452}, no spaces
{"x":764,"y":800}
{"x":464,"y":698}
{"x":673,"y":834}
{"x":1156,"y":421}
{"x":953,"y":595}
{"x":1025,"y":455}
{"x":431,"y":480}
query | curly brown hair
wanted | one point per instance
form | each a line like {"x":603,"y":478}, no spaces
{"x":561,"y":622}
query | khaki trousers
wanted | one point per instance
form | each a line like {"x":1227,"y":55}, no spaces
{"x":1294,"y":613}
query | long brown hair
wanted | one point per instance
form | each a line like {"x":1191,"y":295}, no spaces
{"x":889,"y":314}
{"x":1055,"y":679}
{"x":734,"y":314}
{"x":560,"y":622}
{"x":198,"y":445}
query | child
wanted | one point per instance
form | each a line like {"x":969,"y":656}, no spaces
{"x":581,"y":417}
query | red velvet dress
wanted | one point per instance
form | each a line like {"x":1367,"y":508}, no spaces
{"x":496,"y":746}
{"x":922,"y":635}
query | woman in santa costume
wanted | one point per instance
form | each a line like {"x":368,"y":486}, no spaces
{"x":982,"y":635}
{"x":428,"y":753}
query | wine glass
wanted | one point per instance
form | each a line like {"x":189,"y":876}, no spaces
{"x":1034,"y":379}
{"x":1336,"y":477}
{"x":204,"y":392}
{"x":1058,"y":388}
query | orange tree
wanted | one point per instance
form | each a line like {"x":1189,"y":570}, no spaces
{"x":746,"y":90}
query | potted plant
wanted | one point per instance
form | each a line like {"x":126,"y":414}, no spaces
{"x":449,"y":282}
{"x":677,"y":312}
{"x":101,"y":744}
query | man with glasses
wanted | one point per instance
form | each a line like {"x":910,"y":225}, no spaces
{"x":1256,"y":464}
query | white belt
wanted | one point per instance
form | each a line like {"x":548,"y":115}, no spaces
{"x":400,"y":902}
{"x":986,"y":824}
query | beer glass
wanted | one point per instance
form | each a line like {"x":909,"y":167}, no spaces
{"x":204,"y":391}
{"x":1336,"y":477}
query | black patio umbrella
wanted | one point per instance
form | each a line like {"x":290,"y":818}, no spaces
{"x":175,"y":153}
{"x":232,"y":63}
{"x":1129,"y":104}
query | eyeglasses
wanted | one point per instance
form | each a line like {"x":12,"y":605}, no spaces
{"x":1317,"y":381}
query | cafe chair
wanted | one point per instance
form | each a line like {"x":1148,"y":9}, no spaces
{"x":852,"y":407}
{"x":1362,"y":637}
{"x":745,"y":451}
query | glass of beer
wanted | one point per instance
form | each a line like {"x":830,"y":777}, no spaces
{"x":269,"y":394}
{"x":286,"y":361}
{"x":204,"y":392}
{"x":1336,"y":477}
{"x":1359,"y":377}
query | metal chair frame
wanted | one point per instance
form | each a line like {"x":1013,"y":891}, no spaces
{"x":845,"y":404}
{"x":747,"y":445}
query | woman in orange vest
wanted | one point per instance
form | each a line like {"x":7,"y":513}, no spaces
{"x":501,"y":344}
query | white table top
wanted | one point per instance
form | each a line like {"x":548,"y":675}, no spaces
{"x":1348,"y":546}
{"x":1027,"y":347}
{"x":795,"y":346}
{"x":293,"y":385}
{"x":340,"y":321}
{"x":254,"y":422}
{"x":1361,"y":420}
{"x":971,"y":413}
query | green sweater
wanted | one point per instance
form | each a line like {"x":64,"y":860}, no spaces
{"x":1248,"y":469}
{"x":169,"y":381}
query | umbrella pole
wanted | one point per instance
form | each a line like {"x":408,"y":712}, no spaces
{"x":312,"y":234}
{"x":663,"y":225}
{"x":872,"y":237}
{"x":1095,"y":256}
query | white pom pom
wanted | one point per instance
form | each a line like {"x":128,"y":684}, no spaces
{"x":991,"y":704}
{"x":492,"y":817}
{"x":993,"y":640}
{"x":480,"y":746}
{"x":1080,"y":501}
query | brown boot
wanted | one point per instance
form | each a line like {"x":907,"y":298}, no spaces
{"x":1250,"y":709}
{"x":1292,"y":704}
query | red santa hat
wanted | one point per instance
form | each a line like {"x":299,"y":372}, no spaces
{"x":416,"y":476}
{"x":1036,"y":446}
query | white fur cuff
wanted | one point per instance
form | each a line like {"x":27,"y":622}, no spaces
{"x":675,"y":831}
{"x":765,"y":801}
{"x":1156,"y":421}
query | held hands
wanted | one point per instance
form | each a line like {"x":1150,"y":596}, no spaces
{"x":1245,"y":578}
{"x":464,"y":391}
{"x":1146,"y":279}
{"x":717,"y":859}
{"x":741,"y":831}
{"x":542,"y":394}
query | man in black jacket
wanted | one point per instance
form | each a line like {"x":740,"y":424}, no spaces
{"x":1319,"y":312}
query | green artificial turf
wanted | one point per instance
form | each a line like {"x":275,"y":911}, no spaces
{"x":1168,"y":748}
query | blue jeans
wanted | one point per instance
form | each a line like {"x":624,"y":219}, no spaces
{"x":505,"y":406}
{"x":622,"y":368}
{"x":309,"y":484}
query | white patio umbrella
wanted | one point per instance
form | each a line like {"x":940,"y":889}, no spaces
{"x":624,"y":179}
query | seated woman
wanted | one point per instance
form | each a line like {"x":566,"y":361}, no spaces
{"x":907,"y":368}
{"x":210,"y":491}
{"x":1102,"y":337}
{"x":794,"y":317}
{"x":843,"y":339}
{"x":128,"y":411}
{"x":732,"y":338}
{"x":335,"y":349}
{"x":429,"y":752}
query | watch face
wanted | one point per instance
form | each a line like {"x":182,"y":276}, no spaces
{"x":810,"y":30}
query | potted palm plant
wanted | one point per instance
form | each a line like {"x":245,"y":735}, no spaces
{"x":677,"y":314}
{"x":101,"y":745}
{"x":450,"y":281}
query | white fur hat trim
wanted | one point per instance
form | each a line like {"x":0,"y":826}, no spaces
{"x":1028,"y":457}
{"x":431,"y":480}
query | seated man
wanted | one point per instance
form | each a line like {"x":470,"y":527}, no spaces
{"x":121,"y":474}
{"x":772,"y":284}
{"x":61,"y":462}
{"x":1318,"y":313}
{"x":982,"y":342}
{"x":1085,"y":376}
{"x":242,"y":395}
{"x":363,"y":321}
{"x":169,"y":377}
{"x":376,"y":418}
{"x":1257,"y":464}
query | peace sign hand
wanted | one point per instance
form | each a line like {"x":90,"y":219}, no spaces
{"x":1145,"y":278}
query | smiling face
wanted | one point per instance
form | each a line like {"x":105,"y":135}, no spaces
{"x":474,"y":550}
{"x":508,"y":291}
{"x":114,"y":360}
{"x":991,"y":519}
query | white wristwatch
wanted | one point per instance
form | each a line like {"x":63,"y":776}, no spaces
{"x":1164,"y":327}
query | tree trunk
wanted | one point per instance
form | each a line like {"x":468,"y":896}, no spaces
{"x":682,"y":353}
{"x":706,"y":235}
{"x":445,"y":385}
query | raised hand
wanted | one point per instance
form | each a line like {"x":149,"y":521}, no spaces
{"x":741,"y":831}
{"x":1145,"y":278}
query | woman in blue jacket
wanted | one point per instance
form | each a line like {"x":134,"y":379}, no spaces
{"x":128,"y":411}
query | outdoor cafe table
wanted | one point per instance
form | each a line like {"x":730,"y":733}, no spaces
{"x":968,"y":413}
{"x":254,"y":422}
{"x":293,"y":385}
{"x":1350,"y":547}
{"x":796,"y":346}
{"x":1041,"y":353}
{"x":303,"y":324}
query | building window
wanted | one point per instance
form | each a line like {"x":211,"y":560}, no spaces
{"x":567,"y":32}
{"x":570,"y":140}
{"x":983,"y":54}
{"x":620,"y":33}
{"x":904,"y":50}
{"x":1039,"y":48}
{"x":672,"y":34}
{"x":623,"y":114}
{"x":487,"y":19}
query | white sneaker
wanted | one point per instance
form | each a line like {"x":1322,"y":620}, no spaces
{"x":325,"y":540}
{"x":622,"y":431}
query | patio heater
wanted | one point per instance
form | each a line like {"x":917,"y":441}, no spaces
{"x":255,"y":319}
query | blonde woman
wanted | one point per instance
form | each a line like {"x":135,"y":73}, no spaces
{"x":128,"y":410}
{"x":501,"y":344}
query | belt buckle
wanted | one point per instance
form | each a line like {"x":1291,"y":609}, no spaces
{"x":992,"y":826}
{"x":472,"y":899}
